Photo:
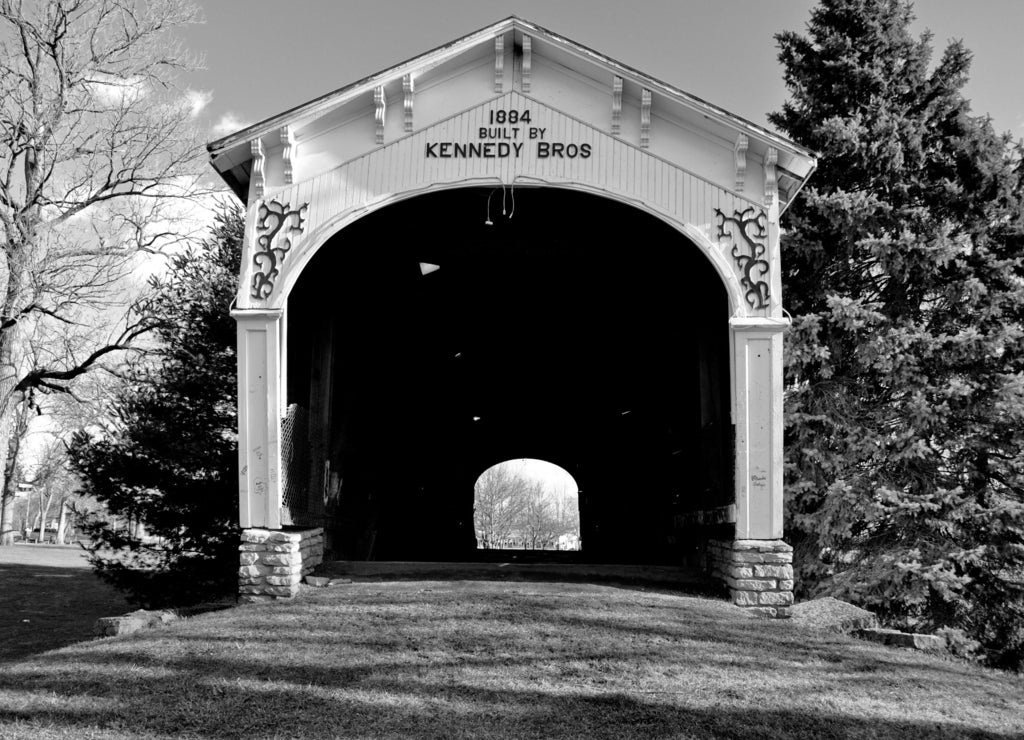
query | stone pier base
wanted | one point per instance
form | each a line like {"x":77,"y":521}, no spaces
{"x":272,"y":562}
{"x":759,"y":574}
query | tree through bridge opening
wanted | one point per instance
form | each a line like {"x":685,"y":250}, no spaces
{"x":526,"y":505}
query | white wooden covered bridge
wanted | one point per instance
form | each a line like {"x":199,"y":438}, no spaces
{"x":511,"y":246}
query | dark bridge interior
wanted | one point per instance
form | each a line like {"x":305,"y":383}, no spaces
{"x":574,"y":329}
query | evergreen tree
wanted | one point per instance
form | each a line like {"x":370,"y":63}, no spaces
{"x":166,"y":467}
{"x":905,"y":394}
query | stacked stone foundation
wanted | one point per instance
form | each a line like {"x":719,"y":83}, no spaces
{"x":272,"y":562}
{"x":759,"y":574}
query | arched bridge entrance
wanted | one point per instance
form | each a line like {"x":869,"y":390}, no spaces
{"x":521,"y":249}
{"x":459,"y":343}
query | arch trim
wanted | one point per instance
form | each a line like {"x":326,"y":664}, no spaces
{"x":324,"y":232}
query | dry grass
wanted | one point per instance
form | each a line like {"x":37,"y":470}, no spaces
{"x":498,"y":659}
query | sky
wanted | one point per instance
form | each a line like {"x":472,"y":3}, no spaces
{"x":264,"y":56}
{"x":557,"y":480}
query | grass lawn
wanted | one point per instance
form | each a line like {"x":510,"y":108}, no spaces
{"x":492,"y":659}
{"x":49,"y":597}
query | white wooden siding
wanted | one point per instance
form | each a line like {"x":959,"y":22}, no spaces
{"x":615,"y":167}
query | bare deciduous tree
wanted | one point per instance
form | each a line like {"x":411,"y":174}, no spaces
{"x":54,"y":486}
{"x":514,"y":510}
{"x":499,"y":500}
{"x":97,"y":154}
{"x":538,"y":527}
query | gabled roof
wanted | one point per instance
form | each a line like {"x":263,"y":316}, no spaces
{"x":232,"y":158}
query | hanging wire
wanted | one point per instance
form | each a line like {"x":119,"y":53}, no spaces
{"x":488,"y":222}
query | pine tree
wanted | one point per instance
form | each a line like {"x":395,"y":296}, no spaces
{"x":166,"y":468}
{"x":905,"y":386}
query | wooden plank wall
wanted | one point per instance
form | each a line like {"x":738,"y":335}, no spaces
{"x":613,"y":166}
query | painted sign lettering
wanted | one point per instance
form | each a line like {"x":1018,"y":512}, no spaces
{"x":504,"y":138}
{"x":455,"y":149}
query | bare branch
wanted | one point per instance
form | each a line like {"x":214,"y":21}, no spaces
{"x":99,"y":159}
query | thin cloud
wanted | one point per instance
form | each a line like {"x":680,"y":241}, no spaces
{"x":229,"y":123}
{"x":198,"y":100}
{"x":114,"y":90}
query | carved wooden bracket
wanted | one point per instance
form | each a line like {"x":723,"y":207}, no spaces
{"x":407,"y":90}
{"x":771,"y":180}
{"x":287,"y":153}
{"x":271,"y":219}
{"x":527,"y":62}
{"x":258,"y":159}
{"x":616,"y":106}
{"x":645,"y":119}
{"x":380,"y":104}
{"x":749,"y":227}
{"x":740,"y":151}
{"x":499,"y":64}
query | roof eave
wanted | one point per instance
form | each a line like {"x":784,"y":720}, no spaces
{"x":453,"y":48}
{"x":803,"y":181}
{"x":655,"y":85}
{"x":344,"y":94}
{"x":447,"y":51}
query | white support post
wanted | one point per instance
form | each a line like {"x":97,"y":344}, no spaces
{"x":408,"y":100}
{"x":757,"y":358}
{"x":257,"y":180}
{"x":527,"y":63}
{"x":259,"y":427}
{"x":774,"y":259}
{"x":645,"y":118}
{"x":499,"y":64}
{"x":616,"y":106}
{"x":288,"y":153}
{"x":380,"y":107}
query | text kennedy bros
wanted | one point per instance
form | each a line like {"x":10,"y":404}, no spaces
{"x":503,"y":149}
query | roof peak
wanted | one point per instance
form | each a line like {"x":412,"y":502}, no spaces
{"x":453,"y":48}
{"x":504,"y":46}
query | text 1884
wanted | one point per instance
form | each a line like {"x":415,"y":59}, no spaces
{"x":510,"y":116}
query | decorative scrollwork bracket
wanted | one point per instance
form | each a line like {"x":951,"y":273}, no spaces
{"x":748,"y":228}
{"x":272,"y":218}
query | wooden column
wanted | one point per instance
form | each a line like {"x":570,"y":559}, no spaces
{"x":757,"y":368}
{"x":259,"y":428}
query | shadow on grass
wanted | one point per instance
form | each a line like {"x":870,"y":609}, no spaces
{"x":647,"y":578}
{"x":224,"y":698}
{"x":478,"y":659}
{"x":46,"y":607}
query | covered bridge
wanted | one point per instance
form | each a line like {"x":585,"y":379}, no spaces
{"x":511,"y":246}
